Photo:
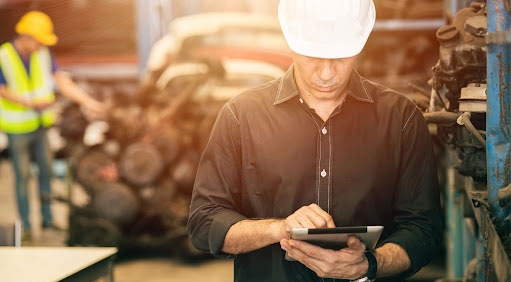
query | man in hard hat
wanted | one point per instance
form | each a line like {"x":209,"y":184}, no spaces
{"x":28,"y":73}
{"x":318,"y":148}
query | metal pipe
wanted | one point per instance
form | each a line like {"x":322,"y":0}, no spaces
{"x":465,"y":120}
{"x":498,"y":118}
{"x":446,"y":118}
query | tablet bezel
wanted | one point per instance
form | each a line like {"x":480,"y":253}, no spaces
{"x":337,"y":237}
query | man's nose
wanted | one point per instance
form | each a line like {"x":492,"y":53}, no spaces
{"x":326,"y":70}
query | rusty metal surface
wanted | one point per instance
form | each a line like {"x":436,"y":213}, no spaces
{"x":471,"y":80}
{"x":501,"y":37}
{"x":499,"y":119}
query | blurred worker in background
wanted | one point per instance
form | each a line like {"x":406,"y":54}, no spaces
{"x":320,"y":147}
{"x":28,"y":76}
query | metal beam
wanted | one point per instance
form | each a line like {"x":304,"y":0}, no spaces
{"x":498,"y":120}
{"x":430,"y":24}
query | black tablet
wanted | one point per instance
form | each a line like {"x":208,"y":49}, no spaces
{"x":337,"y":238}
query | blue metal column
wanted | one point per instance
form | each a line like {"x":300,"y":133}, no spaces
{"x":498,"y":118}
{"x":460,"y":242}
{"x":454,"y":227}
{"x":481,"y":277}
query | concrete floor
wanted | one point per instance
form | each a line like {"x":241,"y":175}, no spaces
{"x":148,"y":269}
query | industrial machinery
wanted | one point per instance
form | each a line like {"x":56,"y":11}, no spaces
{"x":138,"y":166}
{"x":470,"y":111}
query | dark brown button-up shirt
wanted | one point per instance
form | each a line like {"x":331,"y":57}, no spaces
{"x":370,"y":163}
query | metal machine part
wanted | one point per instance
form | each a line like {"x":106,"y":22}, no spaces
{"x":471,"y":84}
{"x":473,"y":98}
{"x":140,"y":164}
{"x":88,"y":169}
{"x":140,"y":177}
{"x":462,"y":54}
{"x":115,"y":202}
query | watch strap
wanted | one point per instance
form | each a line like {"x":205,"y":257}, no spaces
{"x":372,"y":266}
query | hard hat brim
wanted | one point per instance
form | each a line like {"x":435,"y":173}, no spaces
{"x":48,"y":39}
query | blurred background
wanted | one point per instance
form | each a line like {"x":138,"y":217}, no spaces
{"x":166,"y":67}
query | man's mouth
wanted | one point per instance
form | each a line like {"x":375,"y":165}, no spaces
{"x":324,"y":88}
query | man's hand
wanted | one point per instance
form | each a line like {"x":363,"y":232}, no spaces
{"x":311,"y":216}
{"x":348,"y":263}
{"x":94,"y":110}
{"x":249,"y":235}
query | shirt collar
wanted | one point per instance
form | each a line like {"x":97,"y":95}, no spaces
{"x":288,"y":89}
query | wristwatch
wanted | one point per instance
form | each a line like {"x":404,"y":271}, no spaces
{"x":371,"y":269}
{"x":372,"y":266}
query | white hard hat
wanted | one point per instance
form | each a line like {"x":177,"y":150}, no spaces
{"x":327,"y":29}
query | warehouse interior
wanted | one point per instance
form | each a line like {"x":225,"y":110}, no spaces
{"x":122,"y":181}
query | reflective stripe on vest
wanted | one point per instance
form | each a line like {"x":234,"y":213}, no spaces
{"x":36,"y":87}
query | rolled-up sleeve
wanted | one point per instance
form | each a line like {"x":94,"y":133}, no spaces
{"x":416,"y":202}
{"x":216,"y":198}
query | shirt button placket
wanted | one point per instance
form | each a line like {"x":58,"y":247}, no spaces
{"x":323,"y":167}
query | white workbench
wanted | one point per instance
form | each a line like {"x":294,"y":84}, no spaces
{"x":56,"y":264}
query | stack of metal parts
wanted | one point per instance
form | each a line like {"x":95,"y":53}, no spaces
{"x":139,"y":175}
{"x":470,"y":85}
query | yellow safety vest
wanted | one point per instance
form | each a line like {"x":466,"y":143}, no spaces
{"x":36,"y":87}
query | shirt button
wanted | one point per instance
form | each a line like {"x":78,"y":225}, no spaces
{"x":323,"y":173}
{"x":324,"y":131}
{"x":301,"y":100}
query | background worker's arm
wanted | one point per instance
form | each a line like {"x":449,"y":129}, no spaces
{"x":8,"y":95}
{"x":69,"y":89}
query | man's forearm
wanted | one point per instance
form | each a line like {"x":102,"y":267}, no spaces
{"x":392,"y":259}
{"x":69,"y":89}
{"x":249,"y":235}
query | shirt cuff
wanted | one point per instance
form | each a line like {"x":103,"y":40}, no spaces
{"x":221,"y":223}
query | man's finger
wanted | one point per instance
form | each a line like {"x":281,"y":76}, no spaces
{"x":323,"y":214}
{"x":355,"y":244}
{"x":308,"y":249}
{"x":311,"y":262}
